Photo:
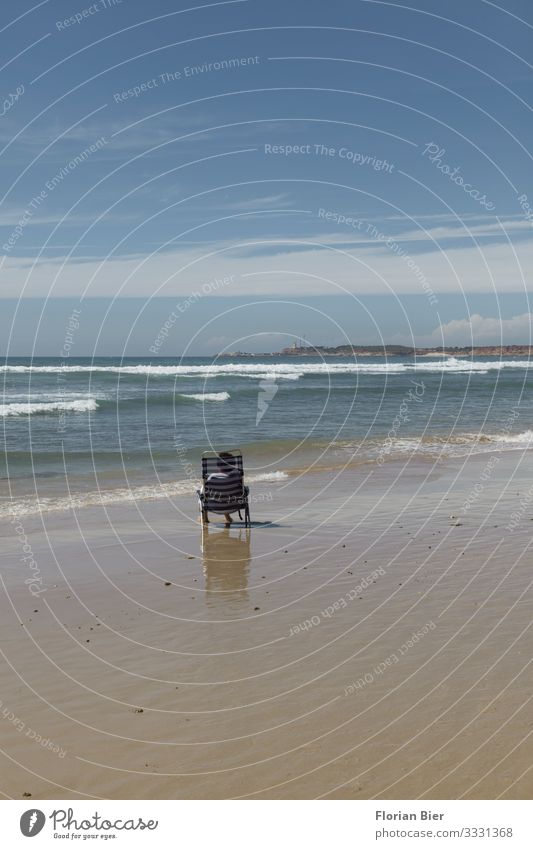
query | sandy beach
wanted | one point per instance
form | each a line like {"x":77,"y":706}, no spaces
{"x":368,"y":638}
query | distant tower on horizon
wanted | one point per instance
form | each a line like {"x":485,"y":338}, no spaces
{"x":297,"y":344}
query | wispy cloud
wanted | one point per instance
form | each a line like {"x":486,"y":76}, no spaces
{"x":121,"y":135}
{"x":468,"y":230}
{"x":278,"y":201}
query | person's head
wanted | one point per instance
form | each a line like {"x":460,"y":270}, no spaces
{"x":225,"y":462}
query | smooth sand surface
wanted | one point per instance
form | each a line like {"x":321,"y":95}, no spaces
{"x":372,"y":641}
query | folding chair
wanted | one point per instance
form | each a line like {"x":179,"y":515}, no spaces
{"x":223,"y":488}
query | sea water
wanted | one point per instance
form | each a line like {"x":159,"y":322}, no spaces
{"x":111,"y":429}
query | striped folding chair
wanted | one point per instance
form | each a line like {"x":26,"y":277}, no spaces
{"x":223,"y":489}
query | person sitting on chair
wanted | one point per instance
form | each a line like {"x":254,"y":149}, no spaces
{"x":227,"y":473}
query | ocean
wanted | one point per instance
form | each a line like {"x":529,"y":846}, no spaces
{"x":87,"y":431}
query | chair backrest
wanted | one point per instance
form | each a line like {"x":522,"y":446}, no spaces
{"x":226,"y":488}
{"x":211,"y":461}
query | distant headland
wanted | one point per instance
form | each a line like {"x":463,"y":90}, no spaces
{"x":390,"y":351}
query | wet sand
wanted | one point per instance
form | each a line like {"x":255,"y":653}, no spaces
{"x":372,"y":639}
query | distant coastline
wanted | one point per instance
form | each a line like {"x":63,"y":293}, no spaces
{"x":390,"y":351}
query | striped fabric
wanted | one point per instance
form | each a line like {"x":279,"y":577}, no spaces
{"x":223,"y":491}
{"x":223,"y":488}
{"x":211,"y":463}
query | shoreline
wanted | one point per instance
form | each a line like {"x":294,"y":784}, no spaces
{"x":63,"y":492}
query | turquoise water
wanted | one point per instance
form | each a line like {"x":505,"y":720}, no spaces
{"x":110,"y":423}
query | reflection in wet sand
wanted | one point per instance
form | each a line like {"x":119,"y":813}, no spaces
{"x":226,"y":561}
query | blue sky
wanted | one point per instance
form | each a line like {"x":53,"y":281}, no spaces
{"x":352,"y":170}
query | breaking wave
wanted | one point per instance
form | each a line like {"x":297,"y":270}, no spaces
{"x":284,"y":371}
{"x":19,"y":409}
{"x":207,"y":396}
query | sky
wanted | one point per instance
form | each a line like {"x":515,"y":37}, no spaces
{"x":198,"y":178}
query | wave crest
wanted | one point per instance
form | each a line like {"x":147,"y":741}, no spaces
{"x":284,"y":371}
{"x":80,"y":406}
{"x":206,"y":396}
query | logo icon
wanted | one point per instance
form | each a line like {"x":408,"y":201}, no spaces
{"x":32,"y":822}
{"x":268,"y":388}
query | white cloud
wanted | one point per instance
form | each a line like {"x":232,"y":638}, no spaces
{"x":480,"y":330}
{"x":282,"y":270}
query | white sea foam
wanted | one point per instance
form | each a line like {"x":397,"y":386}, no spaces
{"x":80,"y":406}
{"x":207,"y":396}
{"x":482,"y":442}
{"x":269,"y":476}
{"x":456,"y":445}
{"x":518,"y":439}
{"x":43,"y":397}
{"x":287,"y":371}
{"x":33,"y":506}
